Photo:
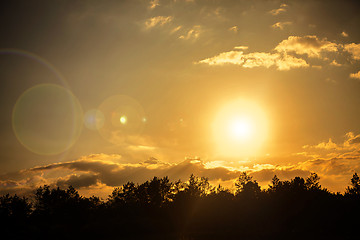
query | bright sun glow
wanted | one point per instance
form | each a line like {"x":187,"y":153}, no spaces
{"x":123,"y":119}
{"x":239,"y":129}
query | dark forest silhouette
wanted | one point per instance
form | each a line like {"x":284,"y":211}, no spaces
{"x":160,"y":209}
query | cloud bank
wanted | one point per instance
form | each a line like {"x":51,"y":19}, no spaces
{"x":99,"y":173}
{"x":256,"y":59}
{"x":293,"y":52}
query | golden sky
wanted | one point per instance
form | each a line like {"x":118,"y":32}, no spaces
{"x":98,"y":93}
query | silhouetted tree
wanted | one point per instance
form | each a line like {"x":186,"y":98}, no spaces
{"x":354,"y":189}
{"x":275,"y":184}
{"x":197,"y":186}
{"x":59,"y":203}
{"x":245,"y":186}
{"x":297,"y":184}
{"x":14,"y":207}
{"x":124,"y":195}
{"x":155,"y":193}
{"x":160,"y":209}
{"x":312,"y":182}
{"x":222,"y":192}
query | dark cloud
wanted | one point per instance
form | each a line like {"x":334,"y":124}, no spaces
{"x":78,"y":181}
{"x":90,"y":172}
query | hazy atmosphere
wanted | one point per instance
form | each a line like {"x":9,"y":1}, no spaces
{"x":98,"y":93}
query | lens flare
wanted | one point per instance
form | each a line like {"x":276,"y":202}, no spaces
{"x":36,"y":58}
{"x":94,"y":119}
{"x":47,"y":119}
{"x":124,"y":118}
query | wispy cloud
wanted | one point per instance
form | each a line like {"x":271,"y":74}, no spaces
{"x":281,"y":25}
{"x":241,"y":47}
{"x":283,"y":8}
{"x":193,"y":33}
{"x":157,"y":21}
{"x":175,"y":29}
{"x":234,"y":29}
{"x":154,"y":4}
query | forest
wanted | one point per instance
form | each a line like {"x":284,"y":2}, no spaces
{"x":299,"y":208}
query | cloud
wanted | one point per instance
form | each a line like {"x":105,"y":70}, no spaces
{"x":281,"y":9}
{"x":256,"y":59}
{"x":285,"y":55}
{"x":233,"y":57}
{"x":91,"y":171}
{"x":157,"y":21}
{"x":193,"y":33}
{"x":336,"y":158}
{"x":335,"y":63}
{"x":352,"y":139}
{"x":154,"y":4}
{"x":281,"y":25}
{"x":334,"y":162}
{"x":99,"y":173}
{"x":233,"y":29}
{"x":307,"y":45}
{"x":78,"y":181}
{"x":353,"y":49}
{"x":331,"y":167}
{"x":355,"y":75}
{"x":327,"y":145}
{"x":241,"y":47}
{"x":344,"y":34}
{"x":287,"y":62}
{"x":350,"y":143}
{"x":175,"y":29}
{"x":282,"y":57}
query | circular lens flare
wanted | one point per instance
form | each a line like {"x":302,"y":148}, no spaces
{"x":94,"y":119}
{"x":47,"y":119}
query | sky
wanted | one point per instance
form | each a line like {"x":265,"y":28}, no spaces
{"x":98,"y":93}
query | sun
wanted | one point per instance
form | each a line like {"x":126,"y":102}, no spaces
{"x":239,"y":129}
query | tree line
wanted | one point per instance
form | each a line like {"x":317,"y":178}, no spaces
{"x":299,"y":208}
